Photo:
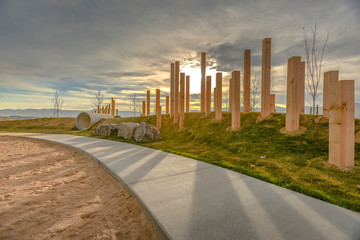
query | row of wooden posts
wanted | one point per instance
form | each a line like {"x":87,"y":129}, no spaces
{"x":108,"y":109}
{"x":338,"y":103}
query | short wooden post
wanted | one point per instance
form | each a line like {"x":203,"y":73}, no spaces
{"x":218,"y":114}
{"x":98,"y":109}
{"x":247,"y":75}
{"x":235,"y":113}
{"x":143,"y":108}
{"x":167,"y":104}
{"x":148,"y":102}
{"x":182,"y":101}
{"x":342,"y":124}
{"x":187,"y":94}
{"x":172,"y":91}
{"x":208,"y":96}
{"x":293,"y":78}
{"x":265,"y":78}
{"x":330,"y":84}
{"x":102,"y":110}
{"x":176,"y":89}
{"x":203,"y":88}
{"x":117,"y":112}
{"x":272,"y":103}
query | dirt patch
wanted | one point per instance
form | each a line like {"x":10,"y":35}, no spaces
{"x":49,"y":191}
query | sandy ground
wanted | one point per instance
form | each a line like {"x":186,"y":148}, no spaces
{"x":48,"y":191}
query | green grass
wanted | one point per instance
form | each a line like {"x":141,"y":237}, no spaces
{"x":258,"y":149}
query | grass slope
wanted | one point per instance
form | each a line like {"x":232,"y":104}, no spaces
{"x":258,"y":149}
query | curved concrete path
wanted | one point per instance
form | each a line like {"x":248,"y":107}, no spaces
{"x":189,"y":199}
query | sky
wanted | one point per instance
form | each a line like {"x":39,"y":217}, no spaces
{"x":122,"y":47}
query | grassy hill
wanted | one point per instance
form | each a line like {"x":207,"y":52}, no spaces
{"x":258,"y":149}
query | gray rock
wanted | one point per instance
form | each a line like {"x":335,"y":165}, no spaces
{"x":146,"y":132}
{"x":126,"y":129}
{"x":107,"y":130}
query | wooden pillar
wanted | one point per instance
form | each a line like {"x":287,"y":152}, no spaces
{"x":182,"y":102}
{"x":218,"y":114}
{"x":330,"y":84}
{"x":143,"y":108}
{"x":148,"y":103}
{"x":172,"y":91}
{"x":113,"y":107}
{"x":203,"y":73}
{"x":167,"y":105}
{"x":342,"y":124}
{"x":187,"y":94}
{"x":302,"y":90}
{"x":98,"y":109}
{"x":265,"y":78}
{"x":230,"y":94}
{"x":272,"y":103}
{"x":158,"y":117}
{"x":235,"y":112}
{"x":157,"y":103}
{"x":208,"y":96}
{"x":176,"y":89}
{"x":102,"y":110}
{"x":293,"y":78}
{"x":247,"y":75}
{"x":117,"y":112}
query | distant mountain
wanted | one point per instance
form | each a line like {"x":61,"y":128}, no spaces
{"x":45,"y":113}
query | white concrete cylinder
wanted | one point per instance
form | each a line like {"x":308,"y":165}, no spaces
{"x":85,"y":120}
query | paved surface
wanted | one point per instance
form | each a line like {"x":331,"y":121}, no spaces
{"x":189,"y":199}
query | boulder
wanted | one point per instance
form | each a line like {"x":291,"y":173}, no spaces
{"x":146,"y":132}
{"x":126,"y":129}
{"x":107,"y":130}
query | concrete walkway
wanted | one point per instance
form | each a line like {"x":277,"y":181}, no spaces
{"x":189,"y":199}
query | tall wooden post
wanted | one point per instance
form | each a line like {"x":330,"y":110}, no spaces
{"x":330,"y":84}
{"x":247,"y":75}
{"x":113,"y":107}
{"x":98,"y":109}
{"x":203,"y":89}
{"x":230,"y":95}
{"x":158,"y":117}
{"x":172,"y":91}
{"x":143,"y":108}
{"x":292,"y":99}
{"x":148,"y":102}
{"x":157,"y":103}
{"x":182,"y":98}
{"x":167,"y":105}
{"x":102,"y":110}
{"x":235,"y":113}
{"x":176,"y":89}
{"x":265,"y":78}
{"x":302,"y":90}
{"x":187,"y":94}
{"x":208,"y":96}
{"x":218,"y":114}
{"x":272,"y":103}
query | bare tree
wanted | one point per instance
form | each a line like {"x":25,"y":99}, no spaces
{"x":98,"y":99}
{"x":57,"y":104}
{"x":314,"y":56}
{"x":135,"y":105}
{"x":254,"y":93}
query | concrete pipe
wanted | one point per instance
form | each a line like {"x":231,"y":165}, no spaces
{"x":85,"y":120}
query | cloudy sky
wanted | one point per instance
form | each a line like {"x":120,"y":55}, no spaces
{"x":123,"y":47}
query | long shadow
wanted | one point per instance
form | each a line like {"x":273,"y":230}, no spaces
{"x":150,"y":162}
{"x":216,"y":211}
{"x":284,"y":210}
